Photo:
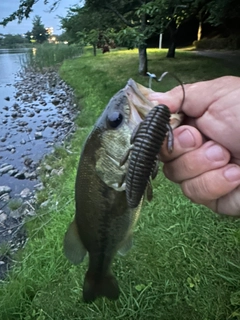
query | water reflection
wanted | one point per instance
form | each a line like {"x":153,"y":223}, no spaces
{"x":26,"y":108}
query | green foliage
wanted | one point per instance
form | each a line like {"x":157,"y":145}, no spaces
{"x":12,"y":41}
{"x":222,"y":11}
{"x":15,"y":203}
{"x":230,"y":43}
{"x":46,"y":55}
{"x":87,"y":27}
{"x":39,"y":32}
{"x":163,"y":11}
{"x":24,"y":9}
{"x":130,"y":37}
{"x":185,"y":260}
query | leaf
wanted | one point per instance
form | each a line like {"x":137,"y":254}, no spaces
{"x":140,"y":287}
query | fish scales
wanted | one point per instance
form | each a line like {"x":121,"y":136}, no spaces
{"x":103,"y":223}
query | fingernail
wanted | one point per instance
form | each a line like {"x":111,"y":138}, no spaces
{"x":186,"y":139}
{"x":232,"y":174}
{"x":214,"y":153}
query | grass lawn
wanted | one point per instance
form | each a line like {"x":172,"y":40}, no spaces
{"x":185,"y":263}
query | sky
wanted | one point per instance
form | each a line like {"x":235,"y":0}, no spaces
{"x":48,"y":19}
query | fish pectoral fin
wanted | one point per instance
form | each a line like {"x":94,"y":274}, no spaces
{"x":127,"y":245}
{"x":105,"y":286}
{"x":73,"y":248}
{"x":149,"y":192}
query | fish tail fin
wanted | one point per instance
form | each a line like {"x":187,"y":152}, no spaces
{"x":105,"y":286}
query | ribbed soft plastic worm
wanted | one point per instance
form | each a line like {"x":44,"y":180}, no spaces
{"x":147,"y":142}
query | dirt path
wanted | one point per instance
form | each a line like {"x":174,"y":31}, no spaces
{"x":231,"y":58}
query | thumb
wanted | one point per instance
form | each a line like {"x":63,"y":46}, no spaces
{"x":198,"y":96}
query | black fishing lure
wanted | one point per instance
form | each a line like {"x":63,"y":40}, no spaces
{"x":147,"y":141}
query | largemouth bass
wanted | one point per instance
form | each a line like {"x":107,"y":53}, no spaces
{"x":103,"y":222}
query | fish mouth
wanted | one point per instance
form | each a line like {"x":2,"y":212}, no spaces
{"x":140,"y":105}
{"x":137,"y":101}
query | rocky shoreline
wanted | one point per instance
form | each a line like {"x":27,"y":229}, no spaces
{"x":38,"y":117}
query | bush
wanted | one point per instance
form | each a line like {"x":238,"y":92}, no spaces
{"x":232,"y":43}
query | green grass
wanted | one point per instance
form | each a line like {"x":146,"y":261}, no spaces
{"x":185,"y":260}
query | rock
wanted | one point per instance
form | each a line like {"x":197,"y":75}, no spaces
{"x":25,"y":209}
{"x":5,"y":197}
{"x":25,"y":97}
{"x":44,"y":204}
{"x":7,"y":98}
{"x":47,"y":167}
{"x":30,"y":114}
{"x":16,"y":106}
{"x":14,"y":114}
{"x":43,"y":103}
{"x":25,"y":193}
{"x":4,"y":189}
{"x":18,"y":93}
{"x":3,"y":217}
{"x":55,"y":101}
{"x":13,"y":172}
{"x":20,"y":175}
{"x":4,"y":121}
{"x":10,"y":147}
{"x":39,"y":186}
{"x":28,"y":161}
{"x":4,"y":165}
{"x":6,"y":169}
{"x":38,"y":135}
{"x":3,"y":139}
{"x":31,"y":176}
{"x":15,"y":214}
{"x":23,"y":141}
{"x":6,"y":108}
{"x":23,"y":123}
{"x":65,"y":112}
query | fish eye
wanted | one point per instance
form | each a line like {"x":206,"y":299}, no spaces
{"x":115,"y":119}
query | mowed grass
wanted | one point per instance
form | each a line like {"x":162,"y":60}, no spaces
{"x":185,"y":263}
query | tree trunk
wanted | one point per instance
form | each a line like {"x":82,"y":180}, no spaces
{"x":94,"y":50}
{"x":142,"y":49}
{"x":199,"y":34}
{"x":171,"y":50}
{"x":173,"y":38}
{"x":142,"y":53}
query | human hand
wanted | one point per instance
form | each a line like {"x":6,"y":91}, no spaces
{"x":206,"y":156}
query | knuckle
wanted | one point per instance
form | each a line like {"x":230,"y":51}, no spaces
{"x":198,"y":190}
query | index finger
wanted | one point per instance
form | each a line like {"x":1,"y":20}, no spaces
{"x":198,"y":96}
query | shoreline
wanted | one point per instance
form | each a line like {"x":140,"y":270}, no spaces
{"x":43,"y":109}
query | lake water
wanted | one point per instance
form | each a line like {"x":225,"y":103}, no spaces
{"x":21,"y":119}
{"x":10,"y":64}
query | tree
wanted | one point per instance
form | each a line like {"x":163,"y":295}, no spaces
{"x":132,"y":23}
{"x":39,"y":32}
{"x":86,"y":27}
{"x":24,"y":10}
{"x":12,"y":41}
{"x":224,"y":12}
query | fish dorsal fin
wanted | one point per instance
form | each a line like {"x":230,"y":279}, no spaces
{"x":127,"y":245}
{"x":73,"y":248}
